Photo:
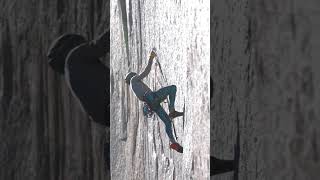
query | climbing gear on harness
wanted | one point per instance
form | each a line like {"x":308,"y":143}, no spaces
{"x":147,"y":111}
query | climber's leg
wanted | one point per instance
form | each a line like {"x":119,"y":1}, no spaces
{"x":167,"y":122}
{"x":168,"y":91}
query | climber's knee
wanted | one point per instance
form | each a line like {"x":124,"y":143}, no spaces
{"x":174,"y":88}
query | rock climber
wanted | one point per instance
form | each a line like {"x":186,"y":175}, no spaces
{"x":153,"y":99}
{"x":87,"y":77}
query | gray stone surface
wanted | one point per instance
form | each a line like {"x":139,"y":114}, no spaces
{"x":180,"y":32}
{"x":264,"y":64}
{"x":44,"y":134}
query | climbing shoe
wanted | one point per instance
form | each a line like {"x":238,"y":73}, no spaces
{"x":174,"y":114}
{"x":176,"y":147}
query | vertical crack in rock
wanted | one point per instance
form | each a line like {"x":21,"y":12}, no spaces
{"x":140,"y":52}
{"x":298,"y":117}
{"x":293,"y":23}
{"x":123,"y":10}
{"x":99,"y":6}
{"x":91,"y":19}
{"x":315,"y":148}
{"x":184,"y":110}
{"x":60,"y":8}
{"x":249,"y":36}
{"x":130,"y":16}
{"x":7,"y":70}
{"x":124,"y":113}
{"x":40,"y":133}
{"x":160,"y":137}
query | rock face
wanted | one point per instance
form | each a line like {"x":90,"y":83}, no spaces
{"x":44,"y":133}
{"x":265,"y":73}
{"x":180,"y":33}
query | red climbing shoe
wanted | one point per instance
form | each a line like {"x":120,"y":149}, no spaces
{"x":174,"y":114}
{"x":176,"y":147}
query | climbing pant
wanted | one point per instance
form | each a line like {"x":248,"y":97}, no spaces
{"x":153,"y":99}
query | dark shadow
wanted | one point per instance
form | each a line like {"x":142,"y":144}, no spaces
{"x":219,"y":166}
{"x":78,"y":60}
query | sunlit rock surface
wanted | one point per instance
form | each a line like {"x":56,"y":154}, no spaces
{"x":179,"y":30}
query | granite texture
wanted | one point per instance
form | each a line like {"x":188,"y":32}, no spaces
{"x":264,"y":66}
{"x":179,"y":30}
{"x":44,"y":133}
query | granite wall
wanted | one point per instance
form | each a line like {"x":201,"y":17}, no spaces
{"x":264,"y":66}
{"x":179,"y":30}
{"x":44,"y":134}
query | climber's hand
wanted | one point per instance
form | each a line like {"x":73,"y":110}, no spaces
{"x":153,"y":54}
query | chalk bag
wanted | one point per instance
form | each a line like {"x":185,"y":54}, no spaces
{"x":147,"y":111}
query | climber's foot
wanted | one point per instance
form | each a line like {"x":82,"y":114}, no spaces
{"x":176,"y":147}
{"x":174,"y":114}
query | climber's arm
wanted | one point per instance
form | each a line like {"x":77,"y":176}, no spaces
{"x":100,"y":46}
{"x":147,"y":69}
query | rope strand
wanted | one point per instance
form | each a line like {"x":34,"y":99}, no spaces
{"x":166,"y":82}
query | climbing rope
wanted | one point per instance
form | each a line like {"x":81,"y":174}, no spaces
{"x":166,"y":83}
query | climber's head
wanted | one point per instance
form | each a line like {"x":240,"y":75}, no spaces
{"x":129,"y":76}
{"x":60,"y":48}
